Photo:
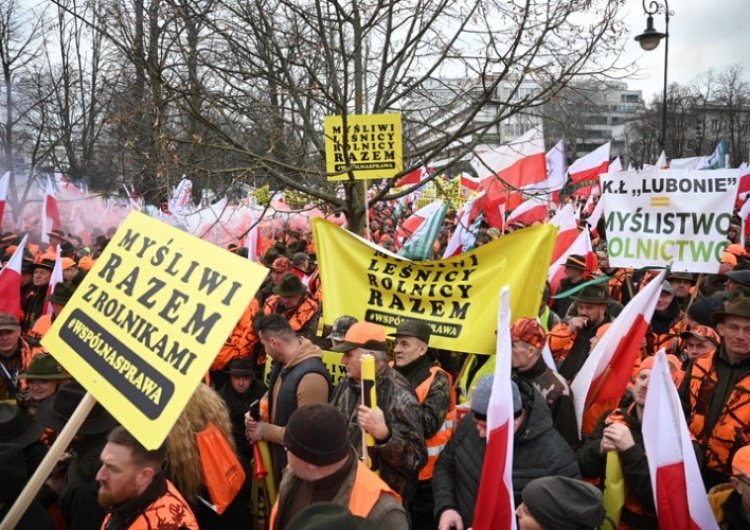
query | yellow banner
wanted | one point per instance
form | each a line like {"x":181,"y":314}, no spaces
{"x":371,"y":144}
{"x":146,"y":323}
{"x":456,"y":297}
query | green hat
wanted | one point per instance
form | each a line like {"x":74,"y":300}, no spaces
{"x":62,"y":293}
{"x":413,"y":328}
{"x":44,"y":366}
{"x":739,"y":308}
{"x":593,"y":294}
{"x":290,"y":285}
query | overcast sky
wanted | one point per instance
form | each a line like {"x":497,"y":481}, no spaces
{"x":702,"y":35}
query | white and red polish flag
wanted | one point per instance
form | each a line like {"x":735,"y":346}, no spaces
{"x":679,"y":493}
{"x":661,"y":162}
{"x":413,"y":177}
{"x":4,"y":182}
{"x":531,"y":210}
{"x":50,"y":213}
{"x":57,"y":277}
{"x":252,"y":242}
{"x":10,"y":282}
{"x":615,"y":166}
{"x":605,"y":374}
{"x":495,"y":507}
{"x":585,"y":171}
{"x":567,"y":230}
{"x":582,"y":247}
{"x":463,"y":238}
{"x":512,"y":166}
{"x":470,"y":182}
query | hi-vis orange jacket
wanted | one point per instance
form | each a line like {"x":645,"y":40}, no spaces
{"x":366,"y":492}
{"x":732,"y":429}
{"x":436,"y":444}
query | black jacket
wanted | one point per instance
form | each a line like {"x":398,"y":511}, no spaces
{"x":538,"y":451}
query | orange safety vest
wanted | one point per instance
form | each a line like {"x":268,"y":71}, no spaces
{"x":732,"y":429}
{"x":298,"y":316}
{"x":366,"y":491}
{"x":436,"y":444}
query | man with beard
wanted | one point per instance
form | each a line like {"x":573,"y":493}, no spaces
{"x":666,"y":324}
{"x":291,"y":300}
{"x":134,"y":490}
{"x":570,"y":341}
{"x":682,"y":282}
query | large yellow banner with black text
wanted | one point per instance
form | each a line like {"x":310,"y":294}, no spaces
{"x":456,"y":297}
{"x":147,"y":321}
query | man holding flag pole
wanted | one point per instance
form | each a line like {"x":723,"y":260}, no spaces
{"x":506,"y":441}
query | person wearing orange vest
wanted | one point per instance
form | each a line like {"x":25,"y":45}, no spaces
{"x":133,"y":489}
{"x":323,"y":467}
{"x":434,"y":390}
{"x":714,"y":393}
{"x":61,"y":295}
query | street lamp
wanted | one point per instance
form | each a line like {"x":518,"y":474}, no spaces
{"x":649,"y":40}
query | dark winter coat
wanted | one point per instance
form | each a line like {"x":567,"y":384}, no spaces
{"x":538,"y":451}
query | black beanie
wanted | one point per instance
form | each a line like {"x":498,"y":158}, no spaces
{"x":564,"y":503}
{"x":317,"y":434}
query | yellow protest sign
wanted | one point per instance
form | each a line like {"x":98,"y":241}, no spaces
{"x":371,"y":144}
{"x":147,"y":321}
{"x":456,"y":297}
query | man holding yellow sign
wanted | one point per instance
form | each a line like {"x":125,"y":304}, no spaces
{"x":396,"y":423}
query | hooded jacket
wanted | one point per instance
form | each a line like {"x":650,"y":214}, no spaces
{"x":539,"y":451}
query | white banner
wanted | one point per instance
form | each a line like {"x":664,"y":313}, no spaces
{"x":657,"y":216}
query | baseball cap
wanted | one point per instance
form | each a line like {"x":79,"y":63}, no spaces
{"x":362,"y":335}
{"x":8,"y":321}
{"x":413,"y":328}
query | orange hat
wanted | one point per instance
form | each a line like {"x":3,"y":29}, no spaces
{"x":281,"y":265}
{"x":728,"y":257}
{"x":528,"y":330}
{"x":86,"y":263}
{"x":702,"y":333}
{"x":67,"y":263}
{"x":736,"y":249}
{"x":362,"y":335}
{"x":741,"y":461}
{"x":675,"y":366}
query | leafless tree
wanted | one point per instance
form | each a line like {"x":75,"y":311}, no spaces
{"x":20,"y":46}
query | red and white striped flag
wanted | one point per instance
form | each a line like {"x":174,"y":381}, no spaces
{"x":57,"y":277}
{"x":532,"y":210}
{"x":587,"y":170}
{"x":10,"y":282}
{"x":4,"y":182}
{"x":515,"y":165}
{"x":470,"y":182}
{"x":414,"y":177}
{"x":605,"y":374}
{"x":50,"y":213}
{"x":252,"y":242}
{"x":463,"y":238}
{"x":679,"y":494}
{"x":743,"y":190}
{"x":615,"y":166}
{"x":661,"y":162}
{"x":567,"y":230}
{"x":495,"y":507}
{"x":582,"y":247}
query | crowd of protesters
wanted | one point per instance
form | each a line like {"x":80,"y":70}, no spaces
{"x":428,"y":431}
